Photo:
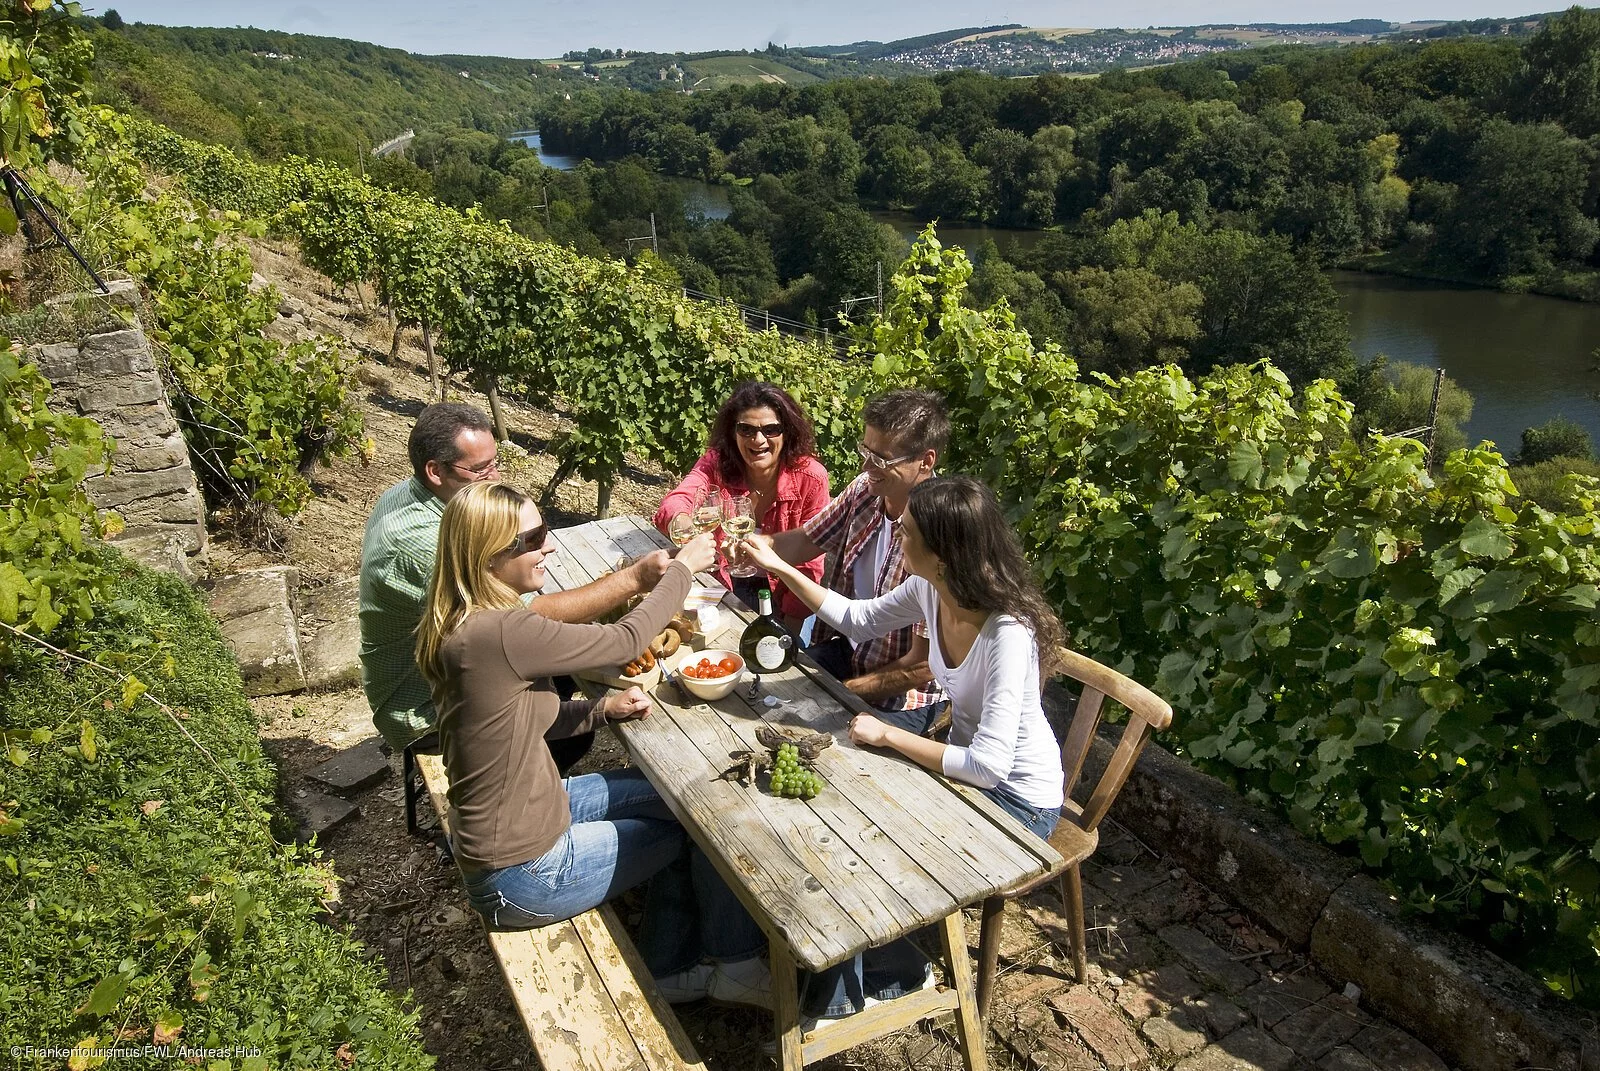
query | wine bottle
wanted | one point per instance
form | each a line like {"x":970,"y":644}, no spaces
{"x":766,"y":645}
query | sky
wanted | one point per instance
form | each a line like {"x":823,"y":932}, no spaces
{"x":548,"y":28}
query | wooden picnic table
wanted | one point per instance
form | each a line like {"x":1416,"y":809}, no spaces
{"x":886,"y":849}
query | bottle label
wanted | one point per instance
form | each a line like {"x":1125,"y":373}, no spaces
{"x":771,"y":651}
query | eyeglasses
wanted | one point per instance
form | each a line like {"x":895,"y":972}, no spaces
{"x":478,"y":471}
{"x":877,"y":462}
{"x":749,"y":431}
{"x":532,"y":539}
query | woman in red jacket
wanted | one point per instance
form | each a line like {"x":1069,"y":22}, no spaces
{"x":761,"y":445}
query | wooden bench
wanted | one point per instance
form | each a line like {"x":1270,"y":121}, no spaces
{"x":583,"y":992}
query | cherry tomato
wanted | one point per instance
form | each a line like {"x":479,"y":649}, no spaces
{"x":727,"y":665}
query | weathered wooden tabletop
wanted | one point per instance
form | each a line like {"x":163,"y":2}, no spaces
{"x":885,"y":849}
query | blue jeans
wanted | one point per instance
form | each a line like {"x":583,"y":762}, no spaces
{"x":622,"y":834}
{"x":899,"y":967}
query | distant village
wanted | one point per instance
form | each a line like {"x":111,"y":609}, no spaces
{"x":1018,"y":53}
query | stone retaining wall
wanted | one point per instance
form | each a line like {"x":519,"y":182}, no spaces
{"x":105,"y":370}
{"x":1471,"y":1006}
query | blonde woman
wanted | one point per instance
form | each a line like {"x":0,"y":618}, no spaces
{"x":534,"y":849}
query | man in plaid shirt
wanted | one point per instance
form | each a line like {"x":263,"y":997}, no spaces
{"x":859,"y":531}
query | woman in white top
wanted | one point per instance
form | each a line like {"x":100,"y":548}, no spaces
{"x":989,"y":631}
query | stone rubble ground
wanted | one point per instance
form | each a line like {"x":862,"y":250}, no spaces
{"x":1178,"y":978}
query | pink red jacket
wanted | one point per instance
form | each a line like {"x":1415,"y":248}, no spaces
{"x":801,"y":494}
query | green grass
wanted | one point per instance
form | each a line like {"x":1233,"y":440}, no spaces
{"x":140,"y":882}
{"x":723,"y":71}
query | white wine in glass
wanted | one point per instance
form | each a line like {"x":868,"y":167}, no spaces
{"x":708,"y":510}
{"x":707,"y":518}
{"x":680,"y":529}
{"x":740,"y":522}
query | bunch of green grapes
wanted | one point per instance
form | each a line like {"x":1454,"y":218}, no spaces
{"x":788,"y":779}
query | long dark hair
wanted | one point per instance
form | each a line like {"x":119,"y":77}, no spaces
{"x":962,"y":524}
{"x":799,"y":440}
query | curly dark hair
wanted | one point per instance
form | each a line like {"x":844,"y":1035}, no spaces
{"x":799,"y":440}
{"x":961,"y":522}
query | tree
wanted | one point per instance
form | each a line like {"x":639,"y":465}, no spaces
{"x":897,"y":166}
{"x":1560,"y":78}
{"x":1038,"y":308}
{"x":849,"y":249}
{"x":1130,"y":318}
{"x":957,"y":187}
{"x":1556,"y":437}
{"x":1401,"y":400}
{"x":743,"y":265}
{"x":1265,"y":302}
{"x":1520,"y":205}
{"x":111,"y":20}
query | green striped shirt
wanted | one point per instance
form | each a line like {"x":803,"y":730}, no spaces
{"x":396,"y":564}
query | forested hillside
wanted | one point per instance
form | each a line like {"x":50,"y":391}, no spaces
{"x":1470,"y":158}
{"x":277,"y":94}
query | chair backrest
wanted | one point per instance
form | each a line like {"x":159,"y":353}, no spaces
{"x":1147,"y":713}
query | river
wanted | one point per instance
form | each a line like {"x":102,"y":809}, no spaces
{"x":1523,"y":358}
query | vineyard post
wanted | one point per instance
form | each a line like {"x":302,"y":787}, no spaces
{"x":433,"y":362}
{"x":1433,"y":417}
{"x":491,"y":387}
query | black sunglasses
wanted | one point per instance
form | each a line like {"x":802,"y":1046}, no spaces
{"x":532,"y":539}
{"x":748,"y":431}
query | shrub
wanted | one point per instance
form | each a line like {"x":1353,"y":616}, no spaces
{"x":1546,"y":482}
{"x":144,"y":895}
{"x":49,"y":578}
{"x":1556,"y":437}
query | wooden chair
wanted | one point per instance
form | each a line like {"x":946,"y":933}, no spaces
{"x":1077,"y":835}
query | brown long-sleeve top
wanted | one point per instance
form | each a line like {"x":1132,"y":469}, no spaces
{"x":499,"y":705}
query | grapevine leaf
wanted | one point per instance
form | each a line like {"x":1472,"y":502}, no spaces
{"x":1582,"y":596}
{"x":1244,"y":463}
{"x":1485,"y":539}
{"x":1456,"y":582}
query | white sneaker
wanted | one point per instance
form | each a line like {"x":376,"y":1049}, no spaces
{"x":745,"y":981}
{"x":686,"y":986}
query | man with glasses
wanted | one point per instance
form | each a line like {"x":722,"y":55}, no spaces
{"x":860,"y":533}
{"x":451,"y":447}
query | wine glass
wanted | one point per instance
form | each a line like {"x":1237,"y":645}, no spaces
{"x":680,"y":529}
{"x":708,"y":509}
{"x":740,"y":521}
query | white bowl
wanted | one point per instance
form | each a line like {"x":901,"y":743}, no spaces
{"x":717,"y":687}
